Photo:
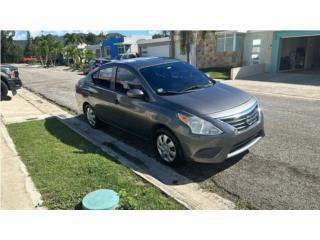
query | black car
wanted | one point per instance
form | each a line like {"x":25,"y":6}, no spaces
{"x":10,"y":80}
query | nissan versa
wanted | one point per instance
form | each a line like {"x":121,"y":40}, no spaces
{"x":187,"y":115}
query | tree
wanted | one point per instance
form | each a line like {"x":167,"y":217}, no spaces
{"x":161,"y":34}
{"x":28,"y":49}
{"x":6,"y":44}
{"x":89,"y":55}
{"x":186,"y":39}
{"x":73,"y":38}
{"x":91,"y":38}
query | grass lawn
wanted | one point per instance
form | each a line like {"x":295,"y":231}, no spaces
{"x":218,"y":75}
{"x":65,"y":167}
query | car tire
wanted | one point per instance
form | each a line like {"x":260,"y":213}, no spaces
{"x":4,"y":90}
{"x":91,"y":117}
{"x":167,"y":147}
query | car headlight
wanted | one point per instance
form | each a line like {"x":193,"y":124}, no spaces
{"x":198,"y":125}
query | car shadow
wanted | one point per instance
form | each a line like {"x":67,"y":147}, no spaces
{"x":189,"y":171}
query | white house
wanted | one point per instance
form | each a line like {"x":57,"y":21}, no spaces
{"x":130,"y":44}
{"x":159,"y":47}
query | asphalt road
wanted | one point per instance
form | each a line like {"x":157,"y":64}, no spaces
{"x":280,"y":172}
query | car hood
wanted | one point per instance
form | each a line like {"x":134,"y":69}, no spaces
{"x":217,"y":98}
{"x":8,"y":66}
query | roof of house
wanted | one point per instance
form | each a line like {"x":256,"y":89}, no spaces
{"x":155,"y":40}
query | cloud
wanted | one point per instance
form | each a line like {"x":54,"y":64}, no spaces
{"x":20,"y":35}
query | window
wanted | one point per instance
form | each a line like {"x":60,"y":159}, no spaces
{"x":123,"y":49}
{"x":255,"y":51}
{"x":126,"y":80}
{"x":220,"y":44}
{"x":103,"y":77}
{"x":108,"y":51}
{"x":229,"y":42}
{"x":171,"y":78}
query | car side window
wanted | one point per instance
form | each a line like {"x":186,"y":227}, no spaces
{"x":126,"y":80}
{"x":103,"y":77}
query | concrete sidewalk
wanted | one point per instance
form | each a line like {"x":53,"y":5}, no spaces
{"x":165,"y":178}
{"x":17,"y":189}
{"x":277,"y":88}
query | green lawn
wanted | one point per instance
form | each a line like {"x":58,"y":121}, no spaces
{"x":218,"y":75}
{"x":65,"y":167}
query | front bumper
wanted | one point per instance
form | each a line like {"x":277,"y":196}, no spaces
{"x":14,"y":84}
{"x":215,"y":149}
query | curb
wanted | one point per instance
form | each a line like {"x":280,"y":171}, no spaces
{"x":30,"y":188}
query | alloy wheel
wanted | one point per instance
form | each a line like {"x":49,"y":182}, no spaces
{"x":91,"y":116}
{"x":166,"y":148}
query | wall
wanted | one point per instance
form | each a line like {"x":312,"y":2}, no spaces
{"x":208,"y":57}
{"x":246,"y":71}
{"x":155,"y":49}
{"x":111,"y":43}
{"x":265,"y":47}
{"x":132,"y":40}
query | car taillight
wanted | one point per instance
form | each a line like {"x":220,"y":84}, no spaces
{"x":77,"y":85}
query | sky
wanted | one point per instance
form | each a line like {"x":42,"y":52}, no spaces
{"x":22,"y":34}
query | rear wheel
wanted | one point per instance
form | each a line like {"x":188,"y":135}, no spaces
{"x":4,"y":90}
{"x":167,"y":147}
{"x":91,"y":117}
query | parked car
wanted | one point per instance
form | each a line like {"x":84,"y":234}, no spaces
{"x":30,"y":59}
{"x":128,"y":56}
{"x":10,"y":80}
{"x":93,"y":64}
{"x":187,"y":115}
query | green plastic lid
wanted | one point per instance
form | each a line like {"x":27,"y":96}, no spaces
{"x":102,"y":199}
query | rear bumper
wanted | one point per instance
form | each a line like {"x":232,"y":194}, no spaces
{"x":215,"y":149}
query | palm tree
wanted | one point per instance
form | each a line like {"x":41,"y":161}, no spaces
{"x":186,"y":38}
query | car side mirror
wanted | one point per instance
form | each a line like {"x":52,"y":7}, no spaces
{"x":135,"y":93}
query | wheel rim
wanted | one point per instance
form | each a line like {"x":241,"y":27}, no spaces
{"x":91,"y":116}
{"x":166,"y":148}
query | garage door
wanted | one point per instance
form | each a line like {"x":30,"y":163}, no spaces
{"x":299,"y":53}
{"x":157,"y":51}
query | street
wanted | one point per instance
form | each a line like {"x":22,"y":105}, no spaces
{"x":281,"y":172}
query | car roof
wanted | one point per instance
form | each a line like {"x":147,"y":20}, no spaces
{"x":142,"y":62}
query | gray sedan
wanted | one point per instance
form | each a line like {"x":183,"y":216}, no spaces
{"x":187,"y":115}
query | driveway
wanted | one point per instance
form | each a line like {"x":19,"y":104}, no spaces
{"x":281,"y":172}
{"x":304,"y":84}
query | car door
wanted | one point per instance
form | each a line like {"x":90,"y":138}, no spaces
{"x":102,"y":93}
{"x":131,"y":113}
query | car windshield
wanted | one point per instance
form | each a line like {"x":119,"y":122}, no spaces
{"x":175,"y":78}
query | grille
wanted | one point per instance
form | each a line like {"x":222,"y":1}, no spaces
{"x":243,"y":120}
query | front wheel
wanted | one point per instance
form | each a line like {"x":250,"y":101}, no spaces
{"x":167,"y":147}
{"x":91,"y":117}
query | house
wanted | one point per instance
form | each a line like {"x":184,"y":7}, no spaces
{"x":159,"y":47}
{"x":109,"y":49}
{"x":245,"y":52}
{"x":279,"y":51}
{"x":96,"y":49}
{"x":130,"y":44}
